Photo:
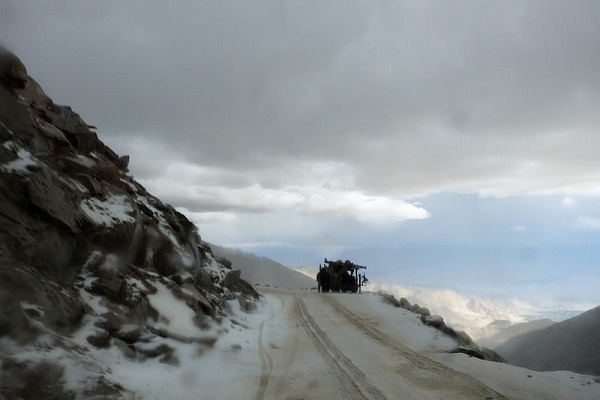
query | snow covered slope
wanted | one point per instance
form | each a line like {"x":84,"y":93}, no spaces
{"x":264,"y":271}
{"x":335,"y":346}
{"x":93,"y":268}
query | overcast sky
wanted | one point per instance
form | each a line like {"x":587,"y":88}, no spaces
{"x":303,"y":129}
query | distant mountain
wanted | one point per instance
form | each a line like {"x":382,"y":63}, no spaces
{"x":264,"y":271}
{"x":572,"y":345}
{"x":505,"y":333}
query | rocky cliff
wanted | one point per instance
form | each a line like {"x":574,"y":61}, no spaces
{"x":87,"y":253}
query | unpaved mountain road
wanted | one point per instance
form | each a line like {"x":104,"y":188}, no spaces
{"x":333,"y":353}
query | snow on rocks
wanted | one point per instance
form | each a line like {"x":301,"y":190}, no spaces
{"x":114,"y":209}
{"x":24,"y":161}
{"x":85,"y":250}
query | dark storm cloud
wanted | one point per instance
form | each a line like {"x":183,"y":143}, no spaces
{"x":405,"y":98}
{"x":310,"y":129}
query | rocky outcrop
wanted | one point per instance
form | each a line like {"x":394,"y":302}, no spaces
{"x":464,"y":343}
{"x":85,"y":248}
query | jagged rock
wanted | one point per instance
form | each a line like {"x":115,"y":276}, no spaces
{"x":160,"y":350}
{"x":102,"y":388}
{"x":246,"y":304}
{"x":58,"y":309}
{"x":390,"y":299}
{"x":417,"y":309}
{"x":79,"y":236}
{"x":99,"y":339}
{"x":111,"y":322}
{"x":130,"y":333}
{"x":124,"y":163}
{"x":52,"y":201}
{"x":235,"y":283}
{"x":13,"y":319}
{"x":405,"y":304}
{"x":224,"y":261}
{"x":13,"y":75}
{"x":479,"y":352}
{"x":91,"y":184}
{"x":124,"y":347}
{"x":166,"y":260}
{"x":402,"y":303}
{"x":108,"y":285}
{"x":22,"y":380}
{"x":432,"y":320}
{"x":193,"y":295}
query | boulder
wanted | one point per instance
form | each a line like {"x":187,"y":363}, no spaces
{"x":417,"y":309}
{"x":13,"y":75}
{"x":433,"y":320}
{"x":235,"y":283}
{"x":99,"y":339}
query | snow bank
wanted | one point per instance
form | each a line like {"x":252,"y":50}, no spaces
{"x":479,"y":316}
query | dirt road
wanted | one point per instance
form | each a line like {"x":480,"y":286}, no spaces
{"x":332,"y":352}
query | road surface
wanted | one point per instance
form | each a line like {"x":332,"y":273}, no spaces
{"x":329,"y":351}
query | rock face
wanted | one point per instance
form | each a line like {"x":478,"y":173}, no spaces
{"x":82,"y":243}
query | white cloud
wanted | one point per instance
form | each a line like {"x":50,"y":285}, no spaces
{"x":305,"y":200}
{"x":568,"y":202}
{"x":586,"y":223}
{"x":469,"y":107}
{"x":373,"y":209}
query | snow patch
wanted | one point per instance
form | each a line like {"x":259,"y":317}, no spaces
{"x":22,"y":163}
{"x":115,"y":209}
{"x":163,"y":225}
{"x":175,"y":315}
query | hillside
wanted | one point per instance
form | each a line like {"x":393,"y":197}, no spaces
{"x":504,"y":334}
{"x":572,"y":345}
{"x":91,"y":264}
{"x":264,"y":271}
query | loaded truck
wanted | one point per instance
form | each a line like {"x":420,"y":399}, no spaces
{"x":340,"y":276}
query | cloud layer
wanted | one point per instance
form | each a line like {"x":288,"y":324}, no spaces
{"x":347,"y":109}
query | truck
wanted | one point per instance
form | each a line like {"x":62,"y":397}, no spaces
{"x":340,"y":276}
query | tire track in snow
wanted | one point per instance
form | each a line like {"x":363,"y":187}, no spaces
{"x":266,"y":365}
{"x":415,"y":359}
{"x":353,"y":380}
{"x":266,"y":362}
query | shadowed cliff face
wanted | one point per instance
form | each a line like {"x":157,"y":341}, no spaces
{"x":570,"y":345}
{"x":82,"y":241}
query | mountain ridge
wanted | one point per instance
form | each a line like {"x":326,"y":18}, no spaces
{"x":568,"y":345}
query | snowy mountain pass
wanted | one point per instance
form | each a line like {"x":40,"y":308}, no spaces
{"x":334,"y":353}
{"x":305,"y":345}
{"x":344,"y":346}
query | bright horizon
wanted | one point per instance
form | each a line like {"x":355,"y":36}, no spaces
{"x":449,"y":144}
